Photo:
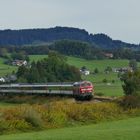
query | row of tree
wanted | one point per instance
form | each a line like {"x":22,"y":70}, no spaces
{"x":74,"y":48}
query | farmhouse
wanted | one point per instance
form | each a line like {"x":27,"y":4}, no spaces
{"x":19,"y":63}
{"x":108,"y":55}
{"x":85,"y":72}
{"x":122,"y":70}
{"x":2,"y":79}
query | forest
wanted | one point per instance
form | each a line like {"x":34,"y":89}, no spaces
{"x":71,"y":48}
{"x":39,"y":36}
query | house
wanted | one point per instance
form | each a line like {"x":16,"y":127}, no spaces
{"x":19,"y":63}
{"x":2,"y":80}
{"x":108,"y":55}
{"x":122,"y":70}
{"x":85,"y":72}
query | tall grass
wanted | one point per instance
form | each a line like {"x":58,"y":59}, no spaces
{"x":59,"y":114}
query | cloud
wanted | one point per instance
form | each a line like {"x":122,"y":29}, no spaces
{"x":117,"y":18}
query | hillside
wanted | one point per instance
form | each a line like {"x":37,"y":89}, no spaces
{"x":38,"y":36}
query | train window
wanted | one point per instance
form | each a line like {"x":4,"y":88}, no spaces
{"x":85,"y":84}
{"x":76,"y":85}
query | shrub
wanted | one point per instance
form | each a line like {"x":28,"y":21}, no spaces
{"x":105,"y":80}
{"x":131,"y":83}
{"x":57,"y":118}
{"x":113,"y":81}
{"x":33,"y":117}
{"x":3,"y":126}
{"x":130,"y":101}
{"x":96,"y":70}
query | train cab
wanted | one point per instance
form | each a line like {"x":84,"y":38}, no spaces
{"x":83,"y":90}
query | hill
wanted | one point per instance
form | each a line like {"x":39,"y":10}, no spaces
{"x":38,"y":36}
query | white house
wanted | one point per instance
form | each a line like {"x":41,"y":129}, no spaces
{"x":85,"y":72}
{"x":109,"y":55}
{"x":19,"y":63}
{"x":123,"y":69}
{"x":2,"y":79}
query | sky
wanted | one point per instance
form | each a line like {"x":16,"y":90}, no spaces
{"x":120,"y":19}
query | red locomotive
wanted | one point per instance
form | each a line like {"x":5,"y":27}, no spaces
{"x":83,"y":90}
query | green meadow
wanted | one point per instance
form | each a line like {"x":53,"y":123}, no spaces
{"x":6,"y":69}
{"x":118,"y":130}
{"x":37,"y":57}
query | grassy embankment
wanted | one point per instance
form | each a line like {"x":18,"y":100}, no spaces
{"x":118,"y":130}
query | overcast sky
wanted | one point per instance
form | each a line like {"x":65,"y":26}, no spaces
{"x":119,"y":19}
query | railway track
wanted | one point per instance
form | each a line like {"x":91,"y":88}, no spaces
{"x":104,"y":98}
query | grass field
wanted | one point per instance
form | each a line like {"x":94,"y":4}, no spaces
{"x":37,"y":57}
{"x":100,"y":64}
{"x":90,"y":64}
{"x":7,"y":105}
{"x":6,"y":69}
{"x":118,"y":130}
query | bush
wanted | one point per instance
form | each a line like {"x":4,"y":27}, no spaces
{"x":113,"y":81}
{"x":105,"y":80}
{"x":130,"y":101}
{"x":131,"y":83}
{"x":57,"y":118}
{"x":96,"y":70}
{"x":3,"y":127}
{"x":33,"y":117}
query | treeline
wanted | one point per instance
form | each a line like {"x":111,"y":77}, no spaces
{"x":78,"y":49}
{"x":35,"y":36}
{"x":126,"y":53}
{"x":52,"y":69}
{"x":66,"y":47}
{"x":38,"y":36}
{"x":73,"y":48}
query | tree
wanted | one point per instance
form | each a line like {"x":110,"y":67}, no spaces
{"x":3,"y":52}
{"x":133,"y":64}
{"x":96,"y":70}
{"x":104,"y":80}
{"x":108,"y":69}
{"x":20,"y":55}
{"x":131,"y":83}
{"x":83,"y":68}
{"x":131,"y":87}
{"x":22,"y":71}
{"x":51,"y":69}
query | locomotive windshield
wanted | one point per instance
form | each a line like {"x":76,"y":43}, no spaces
{"x":85,"y":84}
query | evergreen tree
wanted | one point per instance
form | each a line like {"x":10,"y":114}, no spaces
{"x":51,"y":69}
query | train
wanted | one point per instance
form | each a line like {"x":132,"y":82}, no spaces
{"x":83,"y":90}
